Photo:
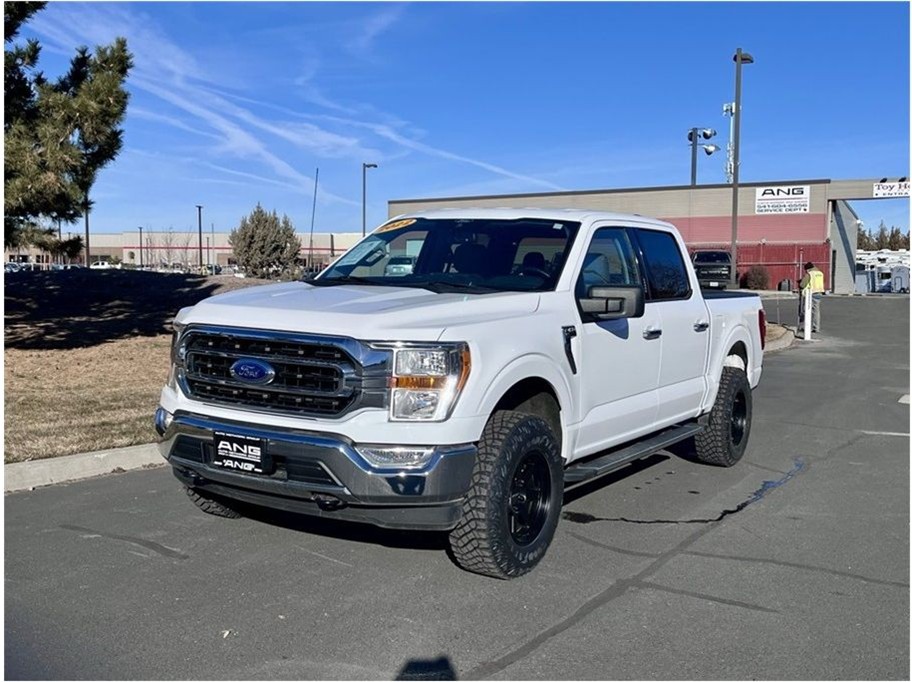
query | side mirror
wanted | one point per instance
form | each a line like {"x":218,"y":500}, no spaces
{"x":613,"y":303}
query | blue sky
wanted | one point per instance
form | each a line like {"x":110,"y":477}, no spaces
{"x":235,"y":103}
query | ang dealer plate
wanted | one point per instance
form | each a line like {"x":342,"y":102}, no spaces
{"x":240,"y":453}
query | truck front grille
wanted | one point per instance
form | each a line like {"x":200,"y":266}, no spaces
{"x":318,"y":376}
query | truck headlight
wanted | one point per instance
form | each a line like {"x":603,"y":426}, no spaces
{"x":427,"y":381}
{"x":177,"y":358}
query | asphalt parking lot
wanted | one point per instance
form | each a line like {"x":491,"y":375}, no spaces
{"x":794,"y":564}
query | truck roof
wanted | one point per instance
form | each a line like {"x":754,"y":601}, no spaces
{"x":575,"y":214}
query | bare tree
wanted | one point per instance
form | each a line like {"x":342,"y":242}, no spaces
{"x":168,"y":242}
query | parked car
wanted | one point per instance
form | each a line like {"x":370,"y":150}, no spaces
{"x":11,"y":267}
{"x":101,"y":265}
{"x":399,"y":265}
{"x":461,"y":397}
{"x":713,"y":268}
{"x":214,"y":269}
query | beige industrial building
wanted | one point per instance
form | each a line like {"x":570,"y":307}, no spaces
{"x":166,"y":249}
{"x":781,"y":224}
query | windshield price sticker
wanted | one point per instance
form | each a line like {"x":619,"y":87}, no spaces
{"x":395,"y":225}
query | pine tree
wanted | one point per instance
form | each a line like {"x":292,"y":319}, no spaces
{"x":865,"y":241}
{"x":264,"y":245}
{"x":882,"y":240}
{"x":895,"y":241}
{"x":58,"y":134}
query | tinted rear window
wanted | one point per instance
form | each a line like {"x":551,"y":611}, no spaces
{"x":665,"y":268}
{"x":712,"y":257}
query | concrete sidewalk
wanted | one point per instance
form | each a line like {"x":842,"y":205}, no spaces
{"x":41,"y":472}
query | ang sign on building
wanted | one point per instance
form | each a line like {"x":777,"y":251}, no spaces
{"x":891,"y":189}
{"x":783,"y":199}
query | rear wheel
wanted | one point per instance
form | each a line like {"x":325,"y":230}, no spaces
{"x":512,"y":508}
{"x":724,"y":439}
{"x":211,"y":505}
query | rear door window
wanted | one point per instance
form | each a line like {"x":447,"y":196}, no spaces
{"x":665,"y":269}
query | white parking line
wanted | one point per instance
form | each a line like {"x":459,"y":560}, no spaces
{"x":905,"y":399}
{"x":885,"y":433}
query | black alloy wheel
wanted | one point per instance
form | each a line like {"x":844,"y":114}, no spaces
{"x":530,"y":498}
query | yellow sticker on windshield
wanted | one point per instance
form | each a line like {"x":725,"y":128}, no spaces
{"x":395,"y":225}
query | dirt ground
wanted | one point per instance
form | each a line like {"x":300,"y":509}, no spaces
{"x":86,"y":354}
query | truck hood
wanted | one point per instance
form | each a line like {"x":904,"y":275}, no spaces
{"x":363,"y":312}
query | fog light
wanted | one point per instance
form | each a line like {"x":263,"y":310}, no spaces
{"x":163,"y":420}
{"x":400,"y":457}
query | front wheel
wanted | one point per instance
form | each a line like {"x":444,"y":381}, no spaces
{"x":512,"y":508}
{"x":724,"y":439}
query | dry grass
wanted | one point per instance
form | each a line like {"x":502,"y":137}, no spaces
{"x":87,"y":354}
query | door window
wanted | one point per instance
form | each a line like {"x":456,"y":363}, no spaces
{"x":665,"y":269}
{"x":609,"y":262}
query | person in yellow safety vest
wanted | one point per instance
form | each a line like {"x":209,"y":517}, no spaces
{"x":813,"y":278}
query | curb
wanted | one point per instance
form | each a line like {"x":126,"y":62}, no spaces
{"x":40,"y":472}
{"x":781,"y":343}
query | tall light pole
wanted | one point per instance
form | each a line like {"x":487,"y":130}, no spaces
{"x":740,"y":58}
{"x":140,"y":248}
{"x":199,"y":222}
{"x":694,"y":136}
{"x":364,"y":167}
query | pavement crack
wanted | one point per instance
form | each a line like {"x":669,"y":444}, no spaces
{"x":148,"y":544}
{"x":806,"y":567}
{"x":611,"y":548}
{"x":756,"y":496}
{"x":609,"y":594}
{"x":705,"y":597}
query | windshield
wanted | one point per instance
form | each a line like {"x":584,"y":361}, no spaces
{"x":712,"y":257}
{"x":478,"y":256}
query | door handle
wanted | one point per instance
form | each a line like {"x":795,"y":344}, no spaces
{"x":652,"y":333}
{"x":701,"y":326}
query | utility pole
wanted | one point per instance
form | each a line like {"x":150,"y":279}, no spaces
{"x":740,"y":58}
{"x":87,"y":259}
{"x":140,"y":248}
{"x":313,"y":216}
{"x":364,"y":167}
{"x":199,"y":222}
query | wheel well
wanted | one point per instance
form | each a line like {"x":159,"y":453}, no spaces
{"x":534,"y":396}
{"x":736,"y":356}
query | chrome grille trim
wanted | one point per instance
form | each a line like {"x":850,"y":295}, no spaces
{"x":316,"y":376}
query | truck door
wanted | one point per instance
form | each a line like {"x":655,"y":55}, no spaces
{"x":619,"y":359}
{"x":684,"y":321}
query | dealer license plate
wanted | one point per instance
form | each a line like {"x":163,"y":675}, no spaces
{"x":240,"y":453}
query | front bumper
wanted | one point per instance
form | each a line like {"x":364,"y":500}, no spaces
{"x":320,"y":474}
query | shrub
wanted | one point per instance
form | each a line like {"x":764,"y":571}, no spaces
{"x":757,"y":277}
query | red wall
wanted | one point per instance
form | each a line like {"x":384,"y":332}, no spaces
{"x":782,"y":261}
{"x":804,"y":227}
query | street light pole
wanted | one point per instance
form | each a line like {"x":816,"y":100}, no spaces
{"x":364,"y":167}
{"x":693,"y":157}
{"x":199,"y":222}
{"x":140,"y":248}
{"x":740,"y":58}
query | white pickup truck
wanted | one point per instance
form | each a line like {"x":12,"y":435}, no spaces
{"x":522,"y":353}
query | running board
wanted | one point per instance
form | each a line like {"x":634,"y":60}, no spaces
{"x":580,"y":472}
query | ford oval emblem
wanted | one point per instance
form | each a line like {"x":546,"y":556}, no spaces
{"x":252,"y":371}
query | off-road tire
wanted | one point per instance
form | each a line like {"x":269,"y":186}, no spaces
{"x":722,"y":442}
{"x":210,"y":505}
{"x":482,"y":542}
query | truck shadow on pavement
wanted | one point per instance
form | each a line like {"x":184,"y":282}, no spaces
{"x":79,"y":308}
{"x":347,"y":530}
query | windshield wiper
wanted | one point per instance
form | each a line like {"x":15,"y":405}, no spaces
{"x":347,"y":279}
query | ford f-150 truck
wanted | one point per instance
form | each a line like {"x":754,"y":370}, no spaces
{"x":524,"y":352}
